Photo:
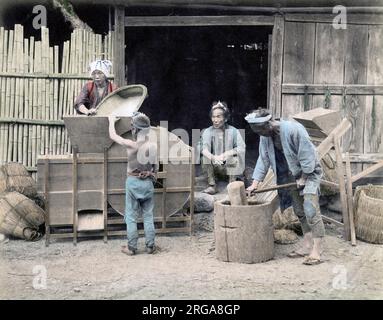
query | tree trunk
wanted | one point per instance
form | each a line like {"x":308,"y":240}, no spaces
{"x":67,"y":10}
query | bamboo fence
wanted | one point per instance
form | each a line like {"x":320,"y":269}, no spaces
{"x":38,"y":86}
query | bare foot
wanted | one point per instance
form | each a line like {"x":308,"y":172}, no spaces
{"x":305,"y":249}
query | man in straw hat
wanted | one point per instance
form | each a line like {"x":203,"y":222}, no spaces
{"x":222,"y":148}
{"x":94,"y":91}
{"x":285,"y":146}
{"x":141,"y":171}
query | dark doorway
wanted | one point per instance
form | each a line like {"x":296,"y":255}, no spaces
{"x":186,"y":68}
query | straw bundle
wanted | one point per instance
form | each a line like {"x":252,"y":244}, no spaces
{"x":19,"y":216}
{"x":26,"y":208}
{"x":15,"y":177}
{"x":369,"y":213}
{"x":285,"y":236}
{"x":286,"y":220}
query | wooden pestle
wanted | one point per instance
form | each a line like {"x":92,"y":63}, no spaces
{"x":237,"y":193}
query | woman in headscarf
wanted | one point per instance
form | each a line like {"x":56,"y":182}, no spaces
{"x":94,"y":91}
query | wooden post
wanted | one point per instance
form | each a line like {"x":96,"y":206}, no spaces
{"x":270,"y":45}
{"x":105,"y":195}
{"x":350,"y":200}
{"x":119,"y":46}
{"x":163,"y":202}
{"x":342,"y":188}
{"x":74,"y":195}
{"x":192,"y":185}
{"x":277,"y":66}
{"x":46,"y":192}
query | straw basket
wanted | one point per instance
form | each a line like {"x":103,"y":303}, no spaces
{"x":15,"y":177}
{"x":369,"y":213}
{"x":19,"y":216}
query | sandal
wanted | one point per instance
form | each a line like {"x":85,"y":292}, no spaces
{"x":295,"y":254}
{"x":309,"y":261}
{"x":127,"y":251}
{"x":153,"y":250}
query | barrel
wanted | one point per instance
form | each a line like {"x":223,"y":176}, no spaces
{"x":244,"y":234}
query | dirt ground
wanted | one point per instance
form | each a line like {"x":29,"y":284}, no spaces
{"x":186,"y":268}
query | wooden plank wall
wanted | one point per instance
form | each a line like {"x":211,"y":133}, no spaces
{"x":339,"y":69}
{"x":38,"y":85}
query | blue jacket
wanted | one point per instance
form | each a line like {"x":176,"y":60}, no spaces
{"x":300,"y":153}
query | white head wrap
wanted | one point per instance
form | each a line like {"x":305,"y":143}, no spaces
{"x":104,"y":66}
{"x":254,"y":118}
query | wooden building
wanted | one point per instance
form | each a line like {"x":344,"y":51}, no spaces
{"x":289,"y":56}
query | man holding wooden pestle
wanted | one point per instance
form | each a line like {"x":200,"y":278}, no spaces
{"x":222,"y":148}
{"x":285,"y":146}
{"x":94,"y":91}
{"x":141,"y":171}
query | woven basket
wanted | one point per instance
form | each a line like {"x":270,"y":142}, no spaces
{"x":19,"y":216}
{"x":15,"y":177}
{"x":369,"y":213}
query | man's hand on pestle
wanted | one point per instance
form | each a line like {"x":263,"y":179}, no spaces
{"x":253,"y":187}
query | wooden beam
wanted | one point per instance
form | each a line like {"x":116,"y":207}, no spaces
{"x":156,"y":190}
{"x":367,"y":172}
{"x":328,"y":143}
{"x":32,"y":121}
{"x":277,"y":66}
{"x":117,"y":233}
{"x":269,"y":45}
{"x":349,"y":89}
{"x":333,"y":221}
{"x":74,"y":195}
{"x":121,"y":220}
{"x":363,"y":19}
{"x":323,"y":10}
{"x":350,"y":203}
{"x":342,"y":188}
{"x":38,"y":75}
{"x":192,"y":179}
{"x":238,"y":7}
{"x":46,"y":194}
{"x":364,"y":157}
{"x":119,"y":45}
{"x":105,"y":194}
{"x":195,"y":21}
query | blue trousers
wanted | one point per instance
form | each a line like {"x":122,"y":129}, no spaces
{"x":139,"y":198}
